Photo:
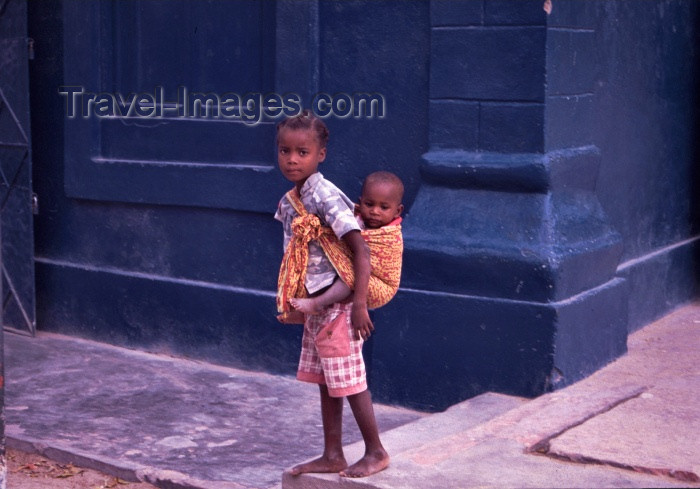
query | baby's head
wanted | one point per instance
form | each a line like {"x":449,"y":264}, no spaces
{"x":380,"y":202}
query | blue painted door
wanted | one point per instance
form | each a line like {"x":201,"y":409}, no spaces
{"x":162,"y":102}
{"x":16,"y":170}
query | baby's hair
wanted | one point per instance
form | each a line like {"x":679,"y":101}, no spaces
{"x":384,"y":177}
{"x":306,"y":120}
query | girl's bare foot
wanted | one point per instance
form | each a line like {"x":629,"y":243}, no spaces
{"x":321,"y":465}
{"x":308,"y":306}
{"x":291,"y":317}
{"x":370,"y":464}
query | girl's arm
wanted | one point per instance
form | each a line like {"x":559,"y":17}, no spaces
{"x":361,"y":266}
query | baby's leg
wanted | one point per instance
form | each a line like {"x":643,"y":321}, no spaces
{"x":337,"y":292}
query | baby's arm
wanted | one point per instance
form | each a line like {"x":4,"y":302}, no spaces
{"x":361,"y":266}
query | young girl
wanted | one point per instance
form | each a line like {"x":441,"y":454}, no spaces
{"x":301,"y":145}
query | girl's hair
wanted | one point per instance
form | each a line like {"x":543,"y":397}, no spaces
{"x":307,"y":120}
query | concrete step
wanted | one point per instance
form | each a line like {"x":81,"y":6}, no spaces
{"x":496,"y":441}
{"x":458,"y":418}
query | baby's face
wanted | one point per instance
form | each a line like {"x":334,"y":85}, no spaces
{"x":380,"y":204}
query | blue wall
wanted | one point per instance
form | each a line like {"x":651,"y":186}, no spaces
{"x":550,"y":168}
{"x":198,"y":278}
{"x":647,"y":128}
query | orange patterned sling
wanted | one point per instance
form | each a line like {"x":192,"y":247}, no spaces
{"x":386,"y":251}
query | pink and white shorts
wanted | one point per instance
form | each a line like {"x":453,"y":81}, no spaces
{"x":330,"y":353}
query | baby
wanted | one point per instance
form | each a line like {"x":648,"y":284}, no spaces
{"x":380,"y":204}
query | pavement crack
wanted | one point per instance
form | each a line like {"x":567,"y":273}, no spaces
{"x":543,"y":446}
{"x":681,"y":475}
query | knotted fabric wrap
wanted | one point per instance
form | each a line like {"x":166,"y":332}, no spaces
{"x":386,"y":252}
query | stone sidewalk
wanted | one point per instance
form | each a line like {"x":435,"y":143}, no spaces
{"x":172,"y":422}
{"x":184,"y":424}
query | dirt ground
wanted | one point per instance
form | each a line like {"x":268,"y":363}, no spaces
{"x":30,"y":471}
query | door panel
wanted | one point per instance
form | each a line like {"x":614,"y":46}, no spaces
{"x":165,"y":55}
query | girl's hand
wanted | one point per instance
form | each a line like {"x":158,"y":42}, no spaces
{"x":361,"y":321}
{"x":361,"y":266}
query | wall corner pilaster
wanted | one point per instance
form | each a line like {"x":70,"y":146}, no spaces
{"x":506,"y":229}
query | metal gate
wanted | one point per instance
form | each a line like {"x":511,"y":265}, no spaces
{"x":16,"y":199}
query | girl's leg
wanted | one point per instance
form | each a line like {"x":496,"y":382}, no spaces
{"x":376,"y":458}
{"x":333,"y":459}
{"x":337,"y":292}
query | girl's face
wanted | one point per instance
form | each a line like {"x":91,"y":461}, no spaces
{"x":380,"y":204}
{"x":298,"y":153}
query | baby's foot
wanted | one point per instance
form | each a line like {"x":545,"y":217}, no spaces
{"x":321,"y":465}
{"x":370,"y":464}
{"x":308,"y":306}
{"x":291,"y":317}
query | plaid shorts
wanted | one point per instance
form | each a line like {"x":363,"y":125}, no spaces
{"x":330,"y":353}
